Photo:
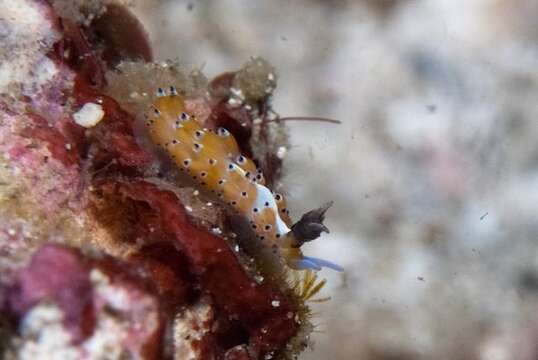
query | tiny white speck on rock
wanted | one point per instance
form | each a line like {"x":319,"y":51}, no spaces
{"x":281,"y":152}
{"x":237,"y":93}
{"x":289,"y":315}
{"x":275,"y":303}
{"x":188,"y":208}
{"x":271,"y":115}
{"x":89,"y":115}
{"x":216,"y":230}
{"x":68,"y":146}
{"x":234,"y":103}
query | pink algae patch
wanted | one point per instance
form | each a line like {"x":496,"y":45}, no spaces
{"x":85,"y":290}
{"x":56,"y":274}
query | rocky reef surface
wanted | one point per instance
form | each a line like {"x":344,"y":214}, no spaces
{"x":106,"y":251}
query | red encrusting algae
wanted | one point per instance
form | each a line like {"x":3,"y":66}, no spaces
{"x":217,"y":269}
{"x":58,"y":144}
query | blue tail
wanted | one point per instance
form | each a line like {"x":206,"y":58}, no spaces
{"x":313,"y":263}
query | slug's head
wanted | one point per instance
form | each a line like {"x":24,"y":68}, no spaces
{"x":307,"y":229}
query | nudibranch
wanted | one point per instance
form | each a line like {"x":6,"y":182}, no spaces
{"x":213,"y":159}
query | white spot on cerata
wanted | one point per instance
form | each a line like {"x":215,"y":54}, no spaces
{"x":89,"y":115}
{"x":197,"y":147}
{"x":198,"y":134}
{"x":222,"y":132}
{"x":241,"y":160}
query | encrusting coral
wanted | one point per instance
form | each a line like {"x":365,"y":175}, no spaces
{"x":100,"y":230}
